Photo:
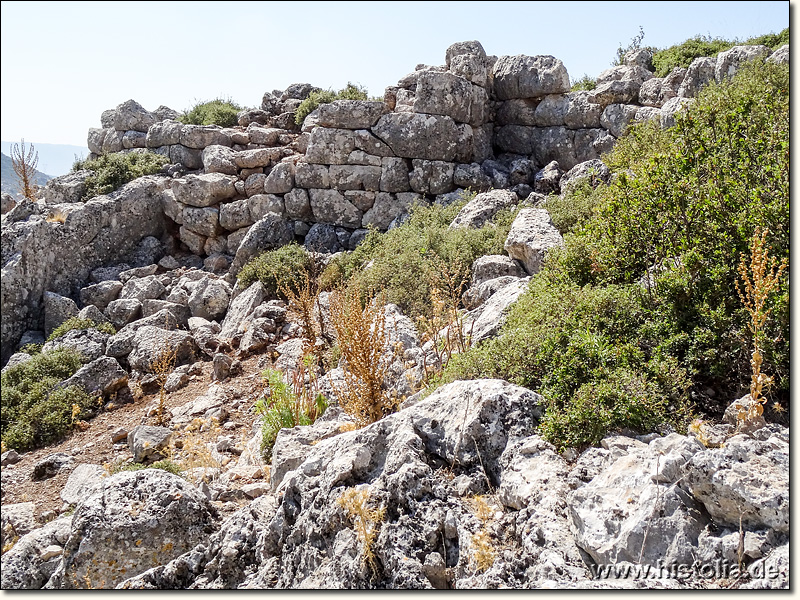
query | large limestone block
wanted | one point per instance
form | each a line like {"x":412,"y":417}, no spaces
{"x":134,"y":521}
{"x":350,"y":114}
{"x":413,"y":135}
{"x":450,"y":95}
{"x":531,"y":235}
{"x":204,"y":190}
{"x":330,"y":206}
{"x":529,"y":77}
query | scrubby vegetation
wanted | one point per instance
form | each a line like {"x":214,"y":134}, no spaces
{"x":682,"y":55}
{"x":585,"y":83}
{"x":221,"y":111}
{"x":34,"y":411}
{"x":350,"y":92}
{"x":636,"y":319}
{"x":285,"y":267}
{"x":407,"y":262}
{"x":76,"y":323}
{"x":285,"y":406}
{"x":112,"y":171}
{"x":165,"y":465}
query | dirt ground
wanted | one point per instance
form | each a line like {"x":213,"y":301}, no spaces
{"x":94,"y":446}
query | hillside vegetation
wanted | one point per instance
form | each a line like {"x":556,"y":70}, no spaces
{"x":636,"y":321}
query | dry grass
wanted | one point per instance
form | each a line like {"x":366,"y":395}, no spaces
{"x":366,"y":522}
{"x":760,"y":277}
{"x":362,"y":338}
{"x":24,"y":163}
{"x":304,"y":303}
{"x":484,"y":550}
{"x":446,"y":325}
{"x":57,"y":216}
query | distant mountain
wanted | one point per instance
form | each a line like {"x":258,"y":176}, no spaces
{"x":54,"y":159}
{"x":10,"y":181}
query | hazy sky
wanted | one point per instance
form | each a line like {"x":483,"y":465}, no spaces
{"x":64,"y":63}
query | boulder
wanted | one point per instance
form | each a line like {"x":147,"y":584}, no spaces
{"x":330,"y":206}
{"x":240,"y":308}
{"x":51,"y":465}
{"x":280,"y":179}
{"x":387,"y":208}
{"x":83,"y":480}
{"x":617,"y":117}
{"x":268,"y":233}
{"x":103,"y":376}
{"x":134,"y":521}
{"x":150,"y":343}
{"x":729,"y":61}
{"x":142,"y":288}
{"x":66,"y":189}
{"x":219,"y":159}
{"x":431,"y":176}
{"x":204,"y":190}
{"x":57,"y":309}
{"x":123,"y":311}
{"x":700,"y":72}
{"x":148,"y":443}
{"x":452,"y":96}
{"x":485,"y":321}
{"x":25,"y":566}
{"x":594,"y":172}
{"x":202,"y":136}
{"x":89,"y":343}
{"x":531,"y":235}
{"x":483,"y":207}
{"x":261,"y":204}
{"x":529,"y":77}
{"x":100,"y":294}
{"x":633,"y":512}
{"x":493,"y":266}
{"x":746,"y":479}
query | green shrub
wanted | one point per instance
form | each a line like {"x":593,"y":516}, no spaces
{"x":771,"y":40}
{"x":584,"y":83}
{"x":222,"y":112}
{"x":573,"y":209}
{"x":36,"y":413}
{"x":307,"y":106}
{"x":284,"y":409}
{"x":165,"y":465}
{"x":682,"y":55}
{"x":76,"y":323}
{"x":112,"y":171}
{"x":638,"y":314}
{"x":285,"y":266}
{"x":32,"y":349}
{"x":404,"y":261}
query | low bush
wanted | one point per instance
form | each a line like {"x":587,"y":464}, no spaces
{"x":76,"y":323}
{"x":635,"y":323}
{"x":222,"y":112}
{"x":585,"y":83}
{"x":34,"y":411}
{"x":287,"y":266}
{"x":310,"y":104}
{"x":682,"y":55}
{"x":112,"y":171}
{"x":405,"y":261}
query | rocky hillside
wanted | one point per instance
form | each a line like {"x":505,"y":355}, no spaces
{"x":452,"y":339}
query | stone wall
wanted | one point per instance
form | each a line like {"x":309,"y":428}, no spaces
{"x":56,"y":253}
{"x":476,"y":122}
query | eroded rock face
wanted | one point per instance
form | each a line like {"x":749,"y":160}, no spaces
{"x":529,"y":77}
{"x":134,"y":521}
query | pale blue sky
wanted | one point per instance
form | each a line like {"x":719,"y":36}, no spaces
{"x":63,"y":63}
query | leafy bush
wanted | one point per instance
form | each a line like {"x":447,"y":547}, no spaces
{"x":222,"y":112}
{"x":682,"y":55}
{"x":403,"y":261}
{"x":36,"y":413}
{"x":573,"y":209}
{"x":112,"y":171}
{"x":284,"y":408}
{"x":584,"y":83}
{"x":32,"y":349}
{"x":76,"y":323}
{"x":637,"y":314}
{"x":286,"y":266}
{"x":310,"y":104}
{"x":165,"y":465}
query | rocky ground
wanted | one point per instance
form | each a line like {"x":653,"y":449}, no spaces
{"x":453,"y":491}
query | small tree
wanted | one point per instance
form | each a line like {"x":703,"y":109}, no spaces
{"x":24,"y":163}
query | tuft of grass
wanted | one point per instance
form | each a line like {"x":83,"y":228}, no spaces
{"x":286,"y":407}
{"x":584,"y":83}
{"x":76,"y":323}
{"x":366,"y":521}
{"x":112,"y":171}
{"x":34,"y":411}
{"x":220,"y":111}
{"x":165,"y":465}
{"x":350,"y":92}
